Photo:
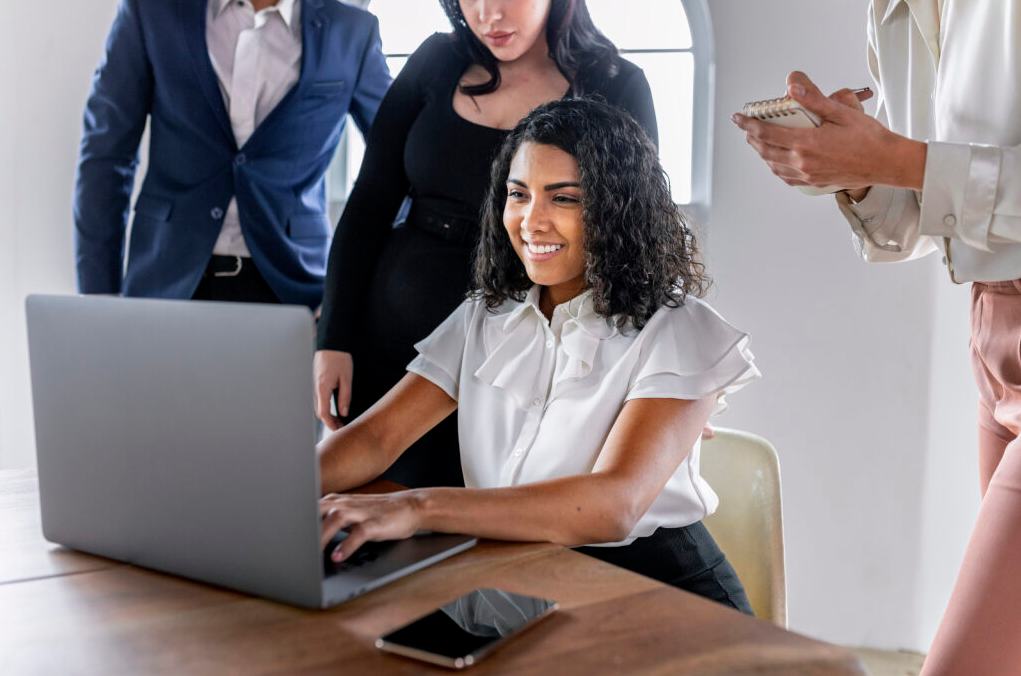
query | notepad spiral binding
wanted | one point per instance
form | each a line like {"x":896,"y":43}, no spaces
{"x":770,"y":108}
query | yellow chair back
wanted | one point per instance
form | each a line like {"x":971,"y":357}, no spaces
{"x":744,"y":471}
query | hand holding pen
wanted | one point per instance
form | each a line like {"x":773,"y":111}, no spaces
{"x":849,"y":149}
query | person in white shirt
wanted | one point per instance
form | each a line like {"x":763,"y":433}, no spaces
{"x":582,"y":367}
{"x":940,"y":169}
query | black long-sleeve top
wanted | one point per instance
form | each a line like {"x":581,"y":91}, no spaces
{"x":419,"y":146}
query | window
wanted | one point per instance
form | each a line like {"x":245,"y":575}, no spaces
{"x":403,"y":26}
{"x":671,"y":40}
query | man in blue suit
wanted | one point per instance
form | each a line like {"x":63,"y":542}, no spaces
{"x":246,"y":100}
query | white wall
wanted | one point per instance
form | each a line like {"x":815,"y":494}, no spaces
{"x":49,"y":52}
{"x":10,"y":357}
{"x":866,"y":391}
{"x":950,"y":498}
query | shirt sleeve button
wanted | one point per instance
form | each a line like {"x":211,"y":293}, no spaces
{"x":950,"y":220}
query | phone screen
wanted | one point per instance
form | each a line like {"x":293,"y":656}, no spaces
{"x":462,"y":631}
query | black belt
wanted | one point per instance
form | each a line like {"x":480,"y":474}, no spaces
{"x":451,"y":228}
{"x":228,"y":266}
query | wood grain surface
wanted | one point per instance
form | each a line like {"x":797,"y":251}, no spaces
{"x":24,"y":553}
{"x":67,"y":613}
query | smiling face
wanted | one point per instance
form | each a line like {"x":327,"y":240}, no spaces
{"x":543,"y":218}
{"x":509,"y":28}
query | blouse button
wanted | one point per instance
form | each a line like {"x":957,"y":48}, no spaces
{"x":549,"y":344}
{"x":536,"y":401}
{"x":518,"y":452}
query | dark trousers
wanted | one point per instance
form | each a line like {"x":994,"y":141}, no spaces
{"x":687,"y":558}
{"x":234,"y":279}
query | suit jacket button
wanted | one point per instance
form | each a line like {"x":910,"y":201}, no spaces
{"x":240,"y":159}
{"x":216,"y":213}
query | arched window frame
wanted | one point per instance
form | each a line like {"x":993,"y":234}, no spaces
{"x":703,"y":99}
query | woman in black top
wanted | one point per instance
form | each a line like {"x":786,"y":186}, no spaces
{"x":433,"y":139}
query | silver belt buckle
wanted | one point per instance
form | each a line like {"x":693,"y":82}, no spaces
{"x":233,"y":273}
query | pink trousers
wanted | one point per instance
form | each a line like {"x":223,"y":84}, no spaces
{"x":980,"y":634}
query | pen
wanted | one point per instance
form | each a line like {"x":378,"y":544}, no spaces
{"x":861,"y":90}
{"x":864,"y":90}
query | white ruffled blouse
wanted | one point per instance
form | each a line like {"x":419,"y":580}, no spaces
{"x":537,"y":398}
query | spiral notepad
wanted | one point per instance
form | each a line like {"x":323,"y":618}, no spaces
{"x":787,"y":112}
{"x":783,"y":111}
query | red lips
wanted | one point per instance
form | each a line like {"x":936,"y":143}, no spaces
{"x":498,"y":38}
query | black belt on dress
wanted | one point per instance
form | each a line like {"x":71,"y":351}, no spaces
{"x":451,"y":228}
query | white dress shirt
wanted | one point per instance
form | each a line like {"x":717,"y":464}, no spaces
{"x":257,"y":59}
{"x":948,"y":72}
{"x":537,"y":398}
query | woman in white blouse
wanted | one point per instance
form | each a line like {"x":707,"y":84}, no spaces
{"x":583,"y":368}
{"x":940,"y":170}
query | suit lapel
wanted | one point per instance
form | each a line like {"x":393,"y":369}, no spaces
{"x":192,"y":14}
{"x":315,"y":23}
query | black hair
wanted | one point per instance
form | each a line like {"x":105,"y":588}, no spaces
{"x":639,"y":252}
{"x":575,"y":45}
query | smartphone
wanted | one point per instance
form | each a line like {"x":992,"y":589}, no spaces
{"x":465,"y":630}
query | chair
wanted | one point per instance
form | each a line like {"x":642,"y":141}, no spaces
{"x":744,"y":471}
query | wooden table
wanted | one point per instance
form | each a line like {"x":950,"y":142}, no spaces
{"x":62,"y":612}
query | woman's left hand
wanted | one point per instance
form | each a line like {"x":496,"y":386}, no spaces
{"x":392,"y":516}
{"x":850,"y":149}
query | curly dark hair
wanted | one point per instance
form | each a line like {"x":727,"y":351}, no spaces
{"x":575,"y":45}
{"x":639,"y":252}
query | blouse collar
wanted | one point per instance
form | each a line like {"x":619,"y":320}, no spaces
{"x":580,"y":310}
{"x":926,"y":14}
{"x":517,"y":343}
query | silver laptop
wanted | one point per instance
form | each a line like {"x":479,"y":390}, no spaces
{"x":179,"y":435}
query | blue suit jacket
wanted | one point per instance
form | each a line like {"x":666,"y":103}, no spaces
{"x":157,"y":64}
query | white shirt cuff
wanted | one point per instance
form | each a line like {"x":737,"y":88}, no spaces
{"x":876,"y":218}
{"x":870,"y":212}
{"x":959,"y":191}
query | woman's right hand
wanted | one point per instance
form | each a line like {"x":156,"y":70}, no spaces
{"x":849,"y":149}
{"x":332,"y":370}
